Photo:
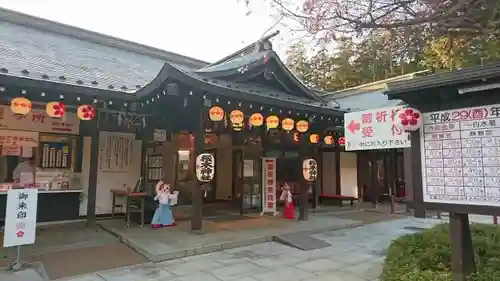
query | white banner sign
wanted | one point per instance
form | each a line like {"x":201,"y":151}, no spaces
{"x":37,"y":120}
{"x":248,"y":168}
{"x":374,"y":129}
{"x":20,"y":217}
{"x":461,"y":156}
{"x":269,"y":185}
{"x":18,"y":138}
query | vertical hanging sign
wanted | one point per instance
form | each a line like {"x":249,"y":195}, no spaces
{"x":20,"y":217}
{"x":269,"y":185}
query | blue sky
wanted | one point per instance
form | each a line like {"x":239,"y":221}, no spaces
{"x":203,"y":29}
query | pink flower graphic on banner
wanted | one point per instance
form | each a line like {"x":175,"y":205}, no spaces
{"x":20,"y":234}
{"x":409,"y":117}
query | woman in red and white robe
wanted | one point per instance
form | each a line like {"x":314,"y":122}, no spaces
{"x":286,"y":197}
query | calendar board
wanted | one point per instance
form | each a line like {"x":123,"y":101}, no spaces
{"x":460,"y":152}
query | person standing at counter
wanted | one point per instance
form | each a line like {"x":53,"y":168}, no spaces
{"x":26,"y":165}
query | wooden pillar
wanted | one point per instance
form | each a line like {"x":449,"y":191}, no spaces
{"x":197,"y":190}
{"x":462,"y":255}
{"x":304,"y":196}
{"x":93,"y":131}
{"x":317,"y":184}
{"x":338,"y":187}
{"x":373,"y":177}
{"x":391,"y":178}
{"x":416,"y":175}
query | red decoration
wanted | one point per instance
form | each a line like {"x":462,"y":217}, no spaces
{"x":341,"y":141}
{"x":409,"y":119}
{"x":85,"y":112}
{"x":55,"y":109}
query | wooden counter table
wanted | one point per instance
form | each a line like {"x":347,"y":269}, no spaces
{"x":130,"y":207}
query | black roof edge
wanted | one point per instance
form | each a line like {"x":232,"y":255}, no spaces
{"x":169,"y":71}
{"x":95,"y":37}
{"x":245,"y":49}
{"x":462,"y":76}
{"x":65,"y":88}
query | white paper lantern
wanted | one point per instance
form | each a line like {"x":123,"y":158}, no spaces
{"x":205,"y":167}
{"x":310,"y":169}
{"x":408,"y":119}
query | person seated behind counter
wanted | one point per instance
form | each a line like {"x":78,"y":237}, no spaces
{"x":26,"y":165}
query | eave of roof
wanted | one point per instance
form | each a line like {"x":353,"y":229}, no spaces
{"x":373,"y":86}
{"x":248,"y":92}
{"x":463,"y":76}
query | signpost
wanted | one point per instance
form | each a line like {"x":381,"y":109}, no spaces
{"x":374,"y":129}
{"x":20,"y":220}
{"x":460,"y":152}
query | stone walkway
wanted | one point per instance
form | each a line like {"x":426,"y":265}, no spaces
{"x":356,"y":254}
{"x":178,"y":242}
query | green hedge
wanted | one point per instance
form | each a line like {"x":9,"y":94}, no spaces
{"x":425,"y":256}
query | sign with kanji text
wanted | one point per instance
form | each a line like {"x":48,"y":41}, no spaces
{"x":268,"y":185}
{"x":310,"y":169}
{"x":37,"y":120}
{"x":20,"y":217}
{"x":205,"y":167}
{"x":374,"y":129}
{"x":18,"y":138}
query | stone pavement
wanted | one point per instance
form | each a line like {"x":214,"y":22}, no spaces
{"x":356,"y":254}
{"x":178,"y":242}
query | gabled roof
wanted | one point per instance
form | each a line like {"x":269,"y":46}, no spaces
{"x":247,"y":91}
{"x":258,"y":63}
{"x":45,"y":50}
{"x":476,"y":74}
{"x":368,"y":96}
{"x":374,"y":86}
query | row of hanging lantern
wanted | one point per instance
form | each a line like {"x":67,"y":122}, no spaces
{"x":54,"y":109}
{"x":216,"y":113}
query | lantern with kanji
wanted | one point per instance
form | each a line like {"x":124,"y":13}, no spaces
{"x":302,"y":126}
{"x":216,"y":113}
{"x":328,"y":140}
{"x":310,"y":169}
{"x":20,"y":105}
{"x":237,"y":126}
{"x":295,"y":137}
{"x":55,"y":109}
{"x":272,"y":122}
{"x":205,"y":167}
{"x":287,"y":124}
{"x":408,"y":119}
{"x":85,"y":112}
{"x":236,"y":116}
{"x":256,"y":120}
{"x":314,"y":138}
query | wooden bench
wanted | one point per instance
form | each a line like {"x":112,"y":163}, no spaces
{"x":337,"y":198}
